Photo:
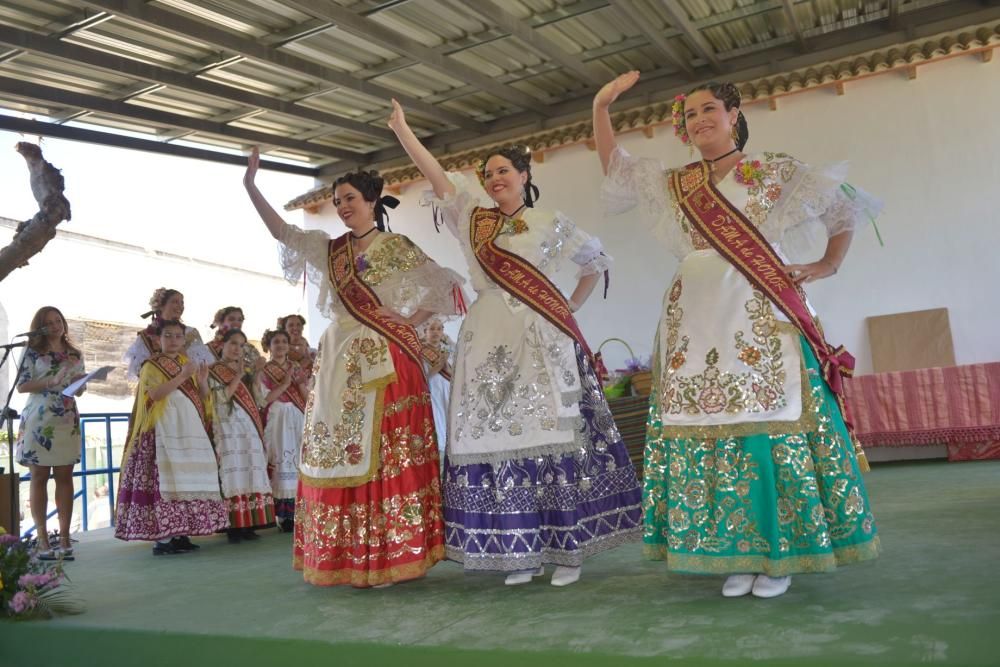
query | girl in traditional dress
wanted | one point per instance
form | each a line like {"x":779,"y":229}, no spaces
{"x":227,"y":318}
{"x":750,"y":470}
{"x":438,"y":377}
{"x":169,"y":483}
{"x":165,"y":304}
{"x":48,"y":439}
{"x":239,"y":440}
{"x":299,"y":350}
{"x":536,"y":471}
{"x":284,"y":386}
{"x":368,"y":511}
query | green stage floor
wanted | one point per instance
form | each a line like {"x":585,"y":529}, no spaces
{"x":933,"y":598}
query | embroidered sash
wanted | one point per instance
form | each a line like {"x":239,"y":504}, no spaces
{"x":362,"y":302}
{"x":734,"y":237}
{"x":519,"y":277}
{"x":277,"y":375}
{"x":151,"y":341}
{"x":172,"y":368}
{"x":242,"y":395}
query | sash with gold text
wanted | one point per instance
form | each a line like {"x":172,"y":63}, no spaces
{"x":362,"y":302}
{"x":519,"y":277}
{"x":734,"y":237}
{"x":242,"y":395}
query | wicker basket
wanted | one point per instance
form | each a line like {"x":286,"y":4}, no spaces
{"x":641,"y":381}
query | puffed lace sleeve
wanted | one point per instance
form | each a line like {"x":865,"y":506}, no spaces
{"x":818,"y":203}
{"x":307,"y":253}
{"x":584,"y":250}
{"x":634,"y":181}
{"x":134,"y":357}
{"x":455,"y":208}
{"x":417,"y":283}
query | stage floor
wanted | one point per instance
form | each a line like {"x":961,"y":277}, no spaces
{"x":933,"y":597}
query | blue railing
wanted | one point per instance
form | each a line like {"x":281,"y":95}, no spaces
{"x":101,"y":419}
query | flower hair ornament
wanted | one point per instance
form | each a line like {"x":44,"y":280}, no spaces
{"x":677,"y":118}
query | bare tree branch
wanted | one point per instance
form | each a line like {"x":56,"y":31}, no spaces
{"x":47,"y":186}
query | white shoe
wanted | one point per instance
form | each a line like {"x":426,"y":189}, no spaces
{"x":564,"y":576}
{"x":523,"y":576}
{"x":770,"y":587}
{"x":738,"y":585}
{"x":385,"y":585}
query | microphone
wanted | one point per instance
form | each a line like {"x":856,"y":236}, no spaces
{"x":37,"y":332}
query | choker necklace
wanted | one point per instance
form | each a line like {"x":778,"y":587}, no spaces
{"x":516,"y":211}
{"x":358,"y":238}
{"x":711,"y":163}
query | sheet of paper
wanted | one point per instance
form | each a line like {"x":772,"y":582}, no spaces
{"x":100,"y":374}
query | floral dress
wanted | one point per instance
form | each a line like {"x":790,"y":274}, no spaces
{"x":49,"y":434}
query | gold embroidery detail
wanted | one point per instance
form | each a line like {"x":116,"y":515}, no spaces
{"x":396,"y":254}
{"x":342,"y":446}
{"x":712,"y":391}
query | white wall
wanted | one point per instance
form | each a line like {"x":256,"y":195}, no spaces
{"x":928,"y":147}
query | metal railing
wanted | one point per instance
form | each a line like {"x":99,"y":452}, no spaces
{"x":101,"y":419}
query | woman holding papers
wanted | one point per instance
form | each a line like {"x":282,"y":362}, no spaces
{"x":48,"y":441}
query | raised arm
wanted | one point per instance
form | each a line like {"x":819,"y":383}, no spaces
{"x":426,"y":163}
{"x":275,"y":224}
{"x":604,"y":133}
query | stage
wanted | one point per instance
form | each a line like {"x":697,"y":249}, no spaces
{"x":933,"y":597}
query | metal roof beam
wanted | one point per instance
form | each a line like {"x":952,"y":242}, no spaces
{"x":149,"y":15}
{"x":626,"y":9}
{"x":152,"y":73}
{"x":38,"y":128}
{"x":524,"y":32}
{"x":360,"y":26}
{"x":662,"y":87}
{"x":678,"y":17}
{"x":97,"y":104}
{"x":793,"y":23}
{"x":893,"y":14}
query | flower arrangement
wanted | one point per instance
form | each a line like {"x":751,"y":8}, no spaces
{"x":749,"y":172}
{"x":28,"y":588}
{"x":677,"y":118}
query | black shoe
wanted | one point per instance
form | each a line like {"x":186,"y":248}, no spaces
{"x":248,"y":534}
{"x":184,"y":544}
{"x":233,"y":534}
{"x":287,"y":525}
{"x":166,"y":548}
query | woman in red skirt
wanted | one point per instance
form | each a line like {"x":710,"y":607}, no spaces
{"x":368,"y":508}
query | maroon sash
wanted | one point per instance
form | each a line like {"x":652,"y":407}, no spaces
{"x":242,"y":395}
{"x":151,"y":341}
{"x":362,"y":302}
{"x":277,"y":375}
{"x":519,"y":277}
{"x":734,"y":237}
{"x":172,"y":368}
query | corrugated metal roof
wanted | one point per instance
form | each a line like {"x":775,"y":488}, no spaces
{"x":310,"y":80}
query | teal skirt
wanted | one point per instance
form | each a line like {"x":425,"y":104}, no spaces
{"x":771,"y":503}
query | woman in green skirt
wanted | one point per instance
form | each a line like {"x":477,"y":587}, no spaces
{"x":750,"y":470}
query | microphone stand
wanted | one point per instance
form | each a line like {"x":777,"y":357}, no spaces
{"x":9,"y":416}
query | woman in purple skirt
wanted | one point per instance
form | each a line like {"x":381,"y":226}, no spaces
{"x":536,"y":471}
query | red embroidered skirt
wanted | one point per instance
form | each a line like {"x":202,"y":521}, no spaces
{"x":389,"y":529}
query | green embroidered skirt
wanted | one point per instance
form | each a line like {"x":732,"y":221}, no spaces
{"x":776,"y":504}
